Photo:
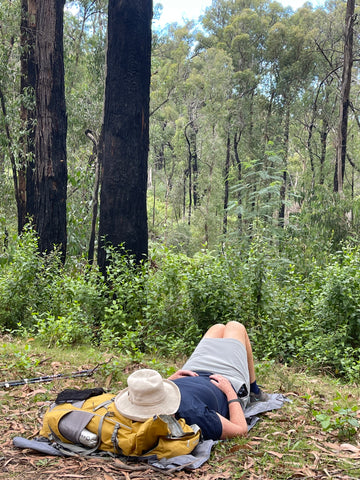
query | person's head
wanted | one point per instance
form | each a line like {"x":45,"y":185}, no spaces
{"x":147,"y":395}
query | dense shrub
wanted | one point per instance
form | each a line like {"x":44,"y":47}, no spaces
{"x":38,"y":296}
{"x":122,"y":326}
{"x":23,"y":276}
{"x":315,"y":320}
{"x":74,"y":309}
{"x":163,"y":306}
{"x":170,"y":325}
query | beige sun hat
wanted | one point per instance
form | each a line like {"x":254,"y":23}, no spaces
{"x":147,"y":394}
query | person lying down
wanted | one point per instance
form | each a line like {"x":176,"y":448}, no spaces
{"x":211,"y":390}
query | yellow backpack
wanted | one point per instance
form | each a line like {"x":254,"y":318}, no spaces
{"x":163,"y":435}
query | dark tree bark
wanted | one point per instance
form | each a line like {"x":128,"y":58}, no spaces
{"x":192,"y":167}
{"x":283,"y":188}
{"x":27,"y":88}
{"x":238,"y":164}
{"x":95,"y":195}
{"x":323,"y":139}
{"x":125,"y":133}
{"x":345,"y":97}
{"x":226,"y":184}
{"x":50,"y":136}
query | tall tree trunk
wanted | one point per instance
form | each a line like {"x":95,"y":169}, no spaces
{"x":189,"y":175}
{"x":226,"y":185}
{"x":192,"y":167}
{"x":125,"y":130}
{"x":27,"y":88}
{"x":310,"y":149}
{"x":95,"y":195}
{"x":286,"y":153}
{"x":236,"y":142}
{"x":51,"y":128}
{"x":323,"y":139}
{"x":345,"y":97}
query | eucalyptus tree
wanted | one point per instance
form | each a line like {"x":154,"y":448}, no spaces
{"x":193,"y":88}
{"x":314,"y":118}
{"x":12,"y":126}
{"x":348,"y":60}
{"x":168,"y":169}
{"x":125,"y":132}
{"x":51,"y":127}
{"x":208,"y":98}
{"x":314,"y":127}
{"x":85,"y":46}
{"x":241,"y":29}
{"x":290,"y":52}
{"x":26,"y":206}
{"x":324,"y":95}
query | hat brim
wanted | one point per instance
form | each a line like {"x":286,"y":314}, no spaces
{"x":140,"y":413}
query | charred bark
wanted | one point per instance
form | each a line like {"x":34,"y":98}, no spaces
{"x":226,"y":185}
{"x":51,"y":128}
{"x":95,"y":195}
{"x":345,"y":97}
{"x":27,"y":89}
{"x":125,"y":131}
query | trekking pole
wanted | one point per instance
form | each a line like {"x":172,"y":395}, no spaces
{"x":50,"y":378}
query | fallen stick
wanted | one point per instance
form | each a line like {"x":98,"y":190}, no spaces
{"x":50,"y":378}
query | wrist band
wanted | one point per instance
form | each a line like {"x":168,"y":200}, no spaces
{"x":234,"y":400}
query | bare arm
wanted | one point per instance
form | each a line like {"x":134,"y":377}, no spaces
{"x":237,"y":425}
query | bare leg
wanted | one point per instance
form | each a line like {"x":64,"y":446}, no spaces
{"x":238,"y":331}
{"x":216,"y":331}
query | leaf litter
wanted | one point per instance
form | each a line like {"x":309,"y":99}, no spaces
{"x":286,"y":444}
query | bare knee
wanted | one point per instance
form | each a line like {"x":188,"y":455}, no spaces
{"x":234,"y":329}
{"x":215,"y":331}
{"x":235,"y":324}
{"x":219,"y":326}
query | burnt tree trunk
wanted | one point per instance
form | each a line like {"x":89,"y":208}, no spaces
{"x":226,"y":185}
{"x":192,"y":167}
{"x":27,"y":89}
{"x":283,"y":188}
{"x":236,"y":142}
{"x":95,"y":195}
{"x":124,"y":140}
{"x":50,"y":135}
{"x":345,"y":97}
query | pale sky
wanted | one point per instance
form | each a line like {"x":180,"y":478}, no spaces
{"x":179,"y":10}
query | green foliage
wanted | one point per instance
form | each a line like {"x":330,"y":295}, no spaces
{"x":38,"y":297}
{"x":170,"y":325}
{"x":122,"y":325}
{"x":316,"y":318}
{"x":71,"y":310}
{"x":163,"y":306}
{"x":341,"y":420}
{"x":63,"y":330}
{"x":17,"y":358}
{"x":212,"y":294}
{"x":323,"y":224}
{"x":339,"y":299}
{"x":127,"y":281}
{"x":19,"y":280}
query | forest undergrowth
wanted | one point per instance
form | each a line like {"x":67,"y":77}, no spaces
{"x":299,"y":310}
